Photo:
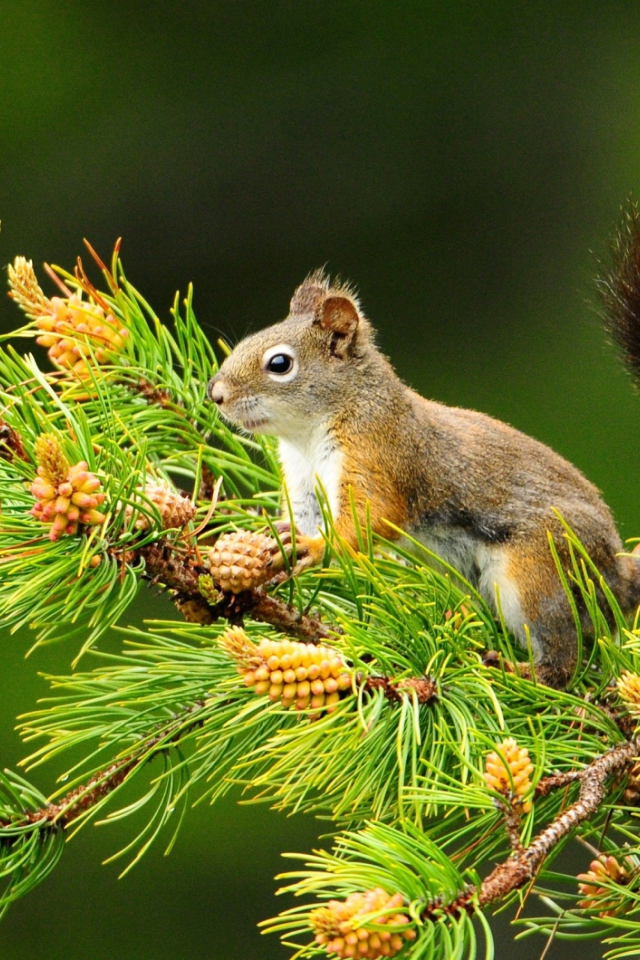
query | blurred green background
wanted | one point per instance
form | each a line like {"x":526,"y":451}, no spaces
{"x":463,"y":164}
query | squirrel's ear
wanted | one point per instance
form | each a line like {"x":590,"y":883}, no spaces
{"x":339,"y":316}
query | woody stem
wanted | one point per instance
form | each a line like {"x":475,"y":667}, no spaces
{"x":82,"y":798}
{"x":523,"y":865}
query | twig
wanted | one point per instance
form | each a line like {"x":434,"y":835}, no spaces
{"x":82,"y":798}
{"x":511,"y":815}
{"x":557,"y":781}
{"x":261,"y":606}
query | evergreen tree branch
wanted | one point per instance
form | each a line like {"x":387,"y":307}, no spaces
{"x":384,"y":712}
{"x":523,"y":865}
{"x":83,"y":798}
{"x":518,"y":870}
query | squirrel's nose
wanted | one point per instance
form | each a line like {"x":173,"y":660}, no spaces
{"x":216,"y":391}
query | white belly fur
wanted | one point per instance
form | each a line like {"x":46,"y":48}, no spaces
{"x":485,"y":566}
{"x":304,"y":466}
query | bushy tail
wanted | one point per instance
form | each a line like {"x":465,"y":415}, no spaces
{"x":620,"y":291}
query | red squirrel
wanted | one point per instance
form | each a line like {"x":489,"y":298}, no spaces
{"x":477,"y":492}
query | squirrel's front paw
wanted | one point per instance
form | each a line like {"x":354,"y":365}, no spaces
{"x":492,"y":658}
{"x":308,"y":550}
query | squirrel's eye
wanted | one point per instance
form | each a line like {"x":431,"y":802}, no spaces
{"x":280,"y":363}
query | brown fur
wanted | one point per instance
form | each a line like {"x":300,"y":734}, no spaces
{"x":477,"y":491}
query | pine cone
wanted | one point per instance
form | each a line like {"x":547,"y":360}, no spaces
{"x":175,"y":509}
{"x":300,"y":674}
{"x":507,"y":771}
{"x":241,"y":560}
{"x":337,"y":928}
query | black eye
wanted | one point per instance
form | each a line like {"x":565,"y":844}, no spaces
{"x":280,"y":363}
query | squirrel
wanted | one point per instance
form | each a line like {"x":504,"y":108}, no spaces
{"x":478,"y":493}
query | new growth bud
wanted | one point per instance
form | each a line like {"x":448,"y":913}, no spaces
{"x":65,"y":495}
{"x":296,"y":674}
{"x":77,"y":333}
{"x":341,"y":929}
{"x":507,"y":771}
{"x":25,"y":289}
{"x":596,"y":896}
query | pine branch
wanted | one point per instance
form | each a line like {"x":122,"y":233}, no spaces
{"x":179,"y":574}
{"x":520,"y":869}
{"x":81,"y":799}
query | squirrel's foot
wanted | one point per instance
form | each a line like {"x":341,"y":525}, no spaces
{"x":545,"y":673}
{"x":493,"y":658}
{"x":549,"y":674}
{"x":309,"y":551}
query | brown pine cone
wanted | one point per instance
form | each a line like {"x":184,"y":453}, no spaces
{"x":242,"y":560}
{"x":175,"y":509}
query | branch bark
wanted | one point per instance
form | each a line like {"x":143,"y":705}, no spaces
{"x":179,"y":574}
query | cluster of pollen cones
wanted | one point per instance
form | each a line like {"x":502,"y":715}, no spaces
{"x":340,"y":929}
{"x":300,"y":675}
{"x":606,"y":869}
{"x":76,"y":333}
{"x":65,"y":495}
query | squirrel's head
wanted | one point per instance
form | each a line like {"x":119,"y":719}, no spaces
{"x":295,"y":373}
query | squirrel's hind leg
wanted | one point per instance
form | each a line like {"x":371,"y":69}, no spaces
{"x":522,"y":586}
